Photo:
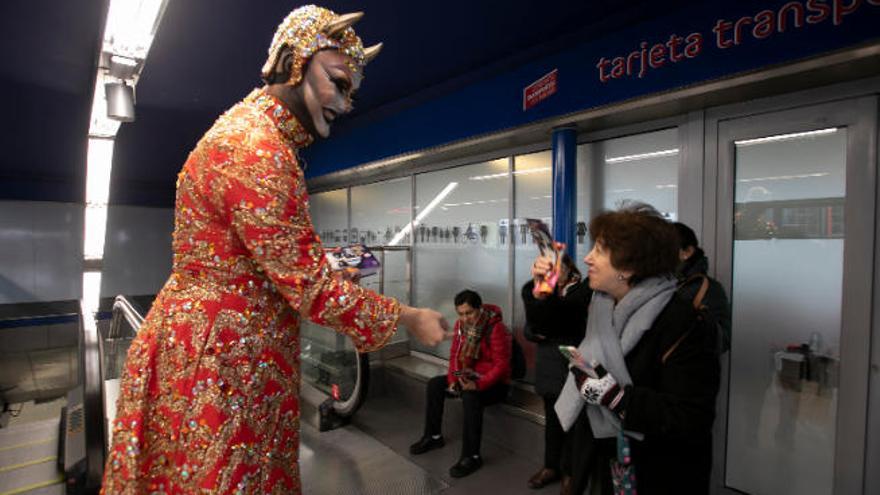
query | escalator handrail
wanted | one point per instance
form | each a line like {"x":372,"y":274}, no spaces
{"x":93,"y":373}
{"x":91,"y":348}
{"x":124,"y":309}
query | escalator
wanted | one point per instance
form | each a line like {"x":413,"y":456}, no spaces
{"x":37,"y":366}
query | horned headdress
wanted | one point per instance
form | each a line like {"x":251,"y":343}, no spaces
{"x":309,"y":29}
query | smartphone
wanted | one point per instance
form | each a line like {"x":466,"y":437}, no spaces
{"x":470,"y":375}
{"x":574,"y":356}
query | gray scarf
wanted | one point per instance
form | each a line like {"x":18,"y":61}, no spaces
{"x":613,"y":331}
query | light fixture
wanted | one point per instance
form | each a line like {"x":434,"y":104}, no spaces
{"x":120,"y":101}
{"x":100,"y":162}
{"x":131,"y":26}
{"x":91,"y":294}
{"x":505,"y":174}
{"x":642,"y":156}
{"x":786,"y":137}
{"x":128,"y":34}
{"x":101,"y":126}
{"x":122,"y":67}
{"x":785,"y":177}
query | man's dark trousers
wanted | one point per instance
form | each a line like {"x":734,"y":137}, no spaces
{"x":473,"y":402}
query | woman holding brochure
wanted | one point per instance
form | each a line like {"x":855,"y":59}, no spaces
{"x":639,"y":401}
{"x":554,"y":319}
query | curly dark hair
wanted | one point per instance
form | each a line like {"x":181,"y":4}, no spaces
{"x":639,"y":240}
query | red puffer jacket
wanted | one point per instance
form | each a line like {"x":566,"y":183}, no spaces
{"x":493,"y":364}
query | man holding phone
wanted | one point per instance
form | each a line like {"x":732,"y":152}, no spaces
{"x":479,"y":372}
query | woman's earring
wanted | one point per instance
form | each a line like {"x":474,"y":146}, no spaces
{"x":620,"y":277}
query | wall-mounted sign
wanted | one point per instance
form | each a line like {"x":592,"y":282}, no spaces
{"x":726,"y":33}
{"x":713,"y":40}
{"x":540,"y":90}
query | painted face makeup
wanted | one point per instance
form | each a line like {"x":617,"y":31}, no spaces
{"x":327,"y":89}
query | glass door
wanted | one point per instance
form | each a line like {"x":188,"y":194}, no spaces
{"x":795,"y":227}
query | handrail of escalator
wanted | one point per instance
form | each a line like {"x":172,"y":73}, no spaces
{"x":91,"y":352}
{"x":125,"y":309}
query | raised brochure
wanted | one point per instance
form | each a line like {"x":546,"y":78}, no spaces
{"x":547,"y":247}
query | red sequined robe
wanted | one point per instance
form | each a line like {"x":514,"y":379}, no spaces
{"x":209,"y":398}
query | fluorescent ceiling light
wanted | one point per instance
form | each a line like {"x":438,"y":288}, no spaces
{"x":471,"y":203}
{"x":424,"y":213}
{"x":642,"y":156}
{"x":131,"y":26}
{"x":129,"y":62}
{"x":95,"y":231}
{"x":505,"y":174}
{"x":786,"y":137}
{"x":98,"y":168}
{"x":785,"y":177}
{"x":91,"y":295}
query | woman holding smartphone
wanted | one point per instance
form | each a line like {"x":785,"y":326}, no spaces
{"x":552,"y":320}
{"x":649,"y":374}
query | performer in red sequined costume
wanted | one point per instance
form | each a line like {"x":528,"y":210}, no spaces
{"x":208,"y":402}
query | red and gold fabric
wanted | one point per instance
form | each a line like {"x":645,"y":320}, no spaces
{"x":209,"y":397}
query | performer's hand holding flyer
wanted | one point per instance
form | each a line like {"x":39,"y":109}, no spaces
{"x":549,"y":249}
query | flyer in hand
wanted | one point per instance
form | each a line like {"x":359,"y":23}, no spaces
{"x":547,"y":247}
{"x":354,"y":257}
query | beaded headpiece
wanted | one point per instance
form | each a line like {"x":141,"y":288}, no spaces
{"x":309,"y":29}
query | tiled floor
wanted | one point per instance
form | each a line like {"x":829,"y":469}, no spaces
{"x":373,"y":457}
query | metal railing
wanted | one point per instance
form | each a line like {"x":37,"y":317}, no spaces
{"x":87,"y":463}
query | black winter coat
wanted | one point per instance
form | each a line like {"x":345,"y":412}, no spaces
{"x":561,"y":321}
{"x":671,"y":401}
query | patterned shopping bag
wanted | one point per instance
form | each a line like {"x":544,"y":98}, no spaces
{"x":623,"y":472}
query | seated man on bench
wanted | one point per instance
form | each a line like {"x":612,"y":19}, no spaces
{"x":479,"y":372}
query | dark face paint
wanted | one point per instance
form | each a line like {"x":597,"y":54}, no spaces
{"x":326,"y":90}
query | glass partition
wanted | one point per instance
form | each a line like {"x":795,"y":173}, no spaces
{"x":642,"y":167}
{"x":533,"y":199}
{"x":461,"y":238}
{"x":329,"y":211}
{"x":380,"y":213}
{"x":788,"y":258}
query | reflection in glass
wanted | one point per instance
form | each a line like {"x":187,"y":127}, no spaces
{"x":787,"y":282}
{"x":458,"y":238}
{"x":329,"y":211}
{"x":328,"y":361}
{"x":380,"y":211}
{"x":642,"y":167}
{"x":533,"y":192}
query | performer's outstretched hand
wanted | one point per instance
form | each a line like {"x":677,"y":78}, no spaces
{"x":426,"y":325}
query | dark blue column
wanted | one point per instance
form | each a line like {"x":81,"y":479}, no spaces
{"x":564,"y":186}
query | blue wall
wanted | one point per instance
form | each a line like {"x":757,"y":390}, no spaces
{"x":496,"y":103}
